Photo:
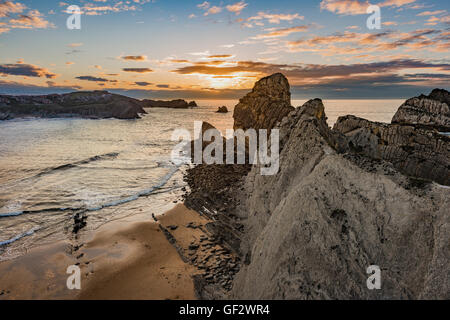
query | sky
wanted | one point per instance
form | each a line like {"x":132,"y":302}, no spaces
{"x":219,"y":49}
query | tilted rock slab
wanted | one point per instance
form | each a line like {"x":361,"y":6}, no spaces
{"x":413,"y":150}
{"x":429,"y":111}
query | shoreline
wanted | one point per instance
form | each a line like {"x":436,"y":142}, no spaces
{"x":165,"y":259}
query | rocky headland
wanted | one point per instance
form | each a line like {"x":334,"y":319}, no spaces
{"x":173,"y":104}
{"x":346,"y":198}
{"x":82,"y":104}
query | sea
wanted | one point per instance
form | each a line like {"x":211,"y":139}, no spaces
{"x":61,"y":179}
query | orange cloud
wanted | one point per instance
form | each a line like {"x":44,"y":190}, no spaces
{"x":135,"y":58}
{"x":277,"y":33}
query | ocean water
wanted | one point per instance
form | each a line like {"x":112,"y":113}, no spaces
{"x":56,"y":173}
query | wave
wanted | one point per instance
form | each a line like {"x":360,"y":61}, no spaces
{"x":20,"y":236}
{"x":50,"y":170}
{"x":142,"y":193}
{"x":111,"y":155}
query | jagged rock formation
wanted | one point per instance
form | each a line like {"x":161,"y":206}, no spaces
{"x":431,"y":111}
{"x":222,"y":110}
{"x":411,"y":149}
{"x":173,"y":104}
{"x":312,"y":230}
{"x":91,"y":104}
{"x":336,"y":207}
{"x":265,"y":105}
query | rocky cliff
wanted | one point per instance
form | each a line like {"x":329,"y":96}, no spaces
{"x":173,"y":104}
{"x":91,"y":104}
{"x":338,"y":205}
{"x":312,"y":230}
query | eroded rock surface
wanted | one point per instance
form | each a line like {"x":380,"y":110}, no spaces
{"x":413,"y":150}
{"x":312,"y":230}
{"x":428,"y":111}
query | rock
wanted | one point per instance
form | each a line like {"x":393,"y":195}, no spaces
{"x":173,"y":104}
{"x":413,"y":150}
{"x":427,"y":111}
{"x":265,"y":105}
{"x":172,"y":228}
{"x":82,"y":104}
{"x":193,"y":246}
{"x":313,"y":229}
{"x":191,"y":225}
{"x":222,"y":110}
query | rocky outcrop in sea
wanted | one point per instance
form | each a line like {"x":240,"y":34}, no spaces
{"x":82,"y":104}
{"x":359,"y":195}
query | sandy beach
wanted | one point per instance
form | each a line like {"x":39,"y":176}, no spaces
{"x":122,"y":261}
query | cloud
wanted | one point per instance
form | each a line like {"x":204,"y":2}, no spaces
{"x":27,"y":70}
{"x":356,"y":7}
{"x":349,"y":43}
{"x":74,"y":45}
{"x":271,"y":18}
{"x":13,"y":87}
{"x":32,"y":20}
{"x":138,"y":70}
{"x":94,"y":79}
{"x":237,"y":7}
{"x":205,"y":5}
{"x":134,"y":58}
{"x":284,"y":32}
{"x":92,"y":9}
{"x":143,"y":83}
{"x":8,"y":7}
{"x":213,"y":10}
{"x":220,"y":56}
{"x":314,"y":73}
{"x":431,"y":13}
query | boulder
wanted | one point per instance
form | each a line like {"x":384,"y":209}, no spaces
{"x":265,"y":105}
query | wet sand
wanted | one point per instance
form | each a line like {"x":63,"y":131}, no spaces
{"x":122,"y":261}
